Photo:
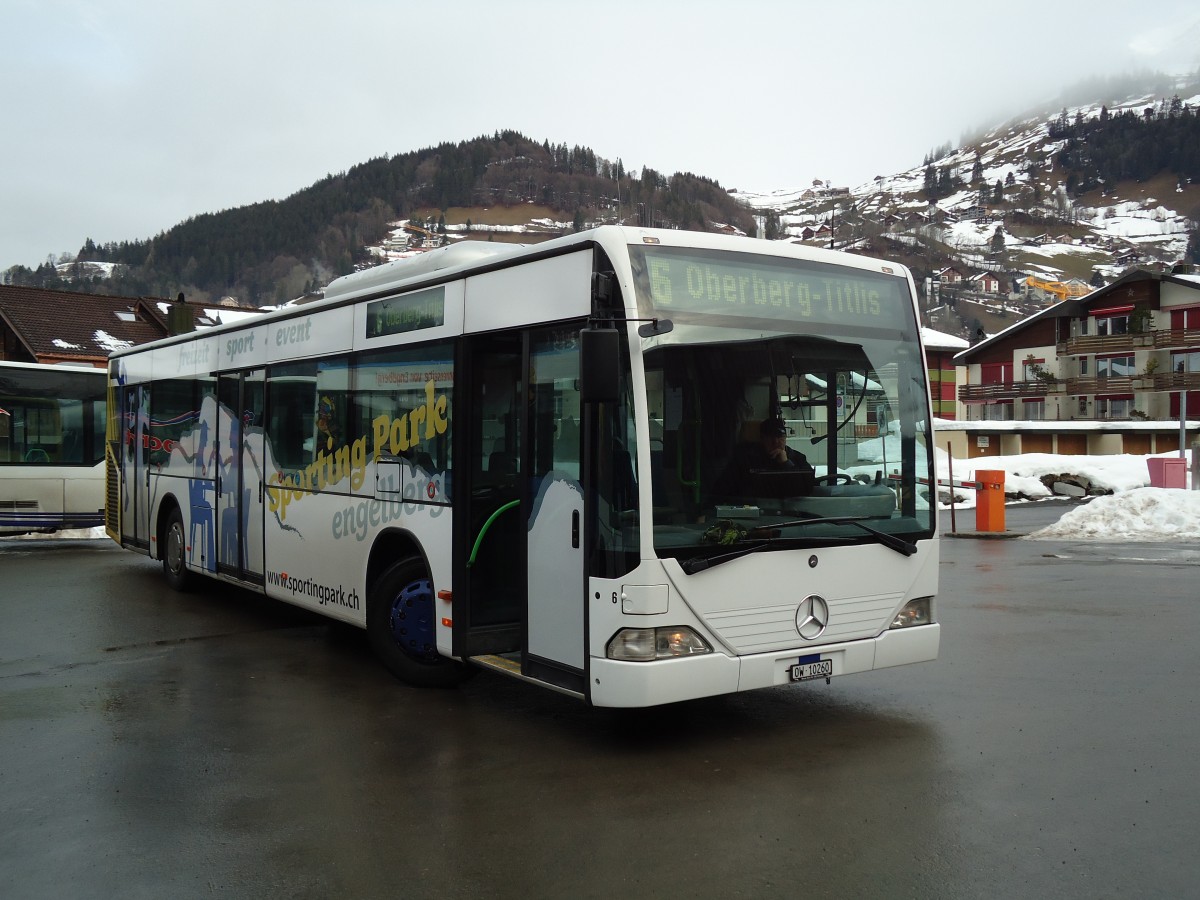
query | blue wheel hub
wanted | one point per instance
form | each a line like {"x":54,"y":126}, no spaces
{"x":412,"y":620}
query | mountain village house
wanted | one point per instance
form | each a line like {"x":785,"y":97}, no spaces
{"x":951,"y":275}
{"x":987,"y":282}
{"x":1114,"y":371}
{"x":45,"y":326}
{"x":940,"y":352}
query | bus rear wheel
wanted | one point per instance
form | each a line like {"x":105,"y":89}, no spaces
{"x":174,"y":552}
{"x":401,"y":626}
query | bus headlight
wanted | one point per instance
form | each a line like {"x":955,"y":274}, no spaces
{"x":644,"y":644}
{"x":915,"y":612}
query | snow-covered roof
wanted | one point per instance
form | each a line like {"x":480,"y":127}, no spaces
{"x":937,"y":340}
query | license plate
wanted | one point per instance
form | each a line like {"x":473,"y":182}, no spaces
{"x":806,"y":671}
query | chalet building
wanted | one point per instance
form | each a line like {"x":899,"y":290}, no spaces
{"x":1121,"y":365}
{"x":38,"y":325}
{"x":978,"y":214}
{"x":940,"y":351}
{"x":951,"y":275}
{"x":987,"y":282}
{"x":815,"y":232}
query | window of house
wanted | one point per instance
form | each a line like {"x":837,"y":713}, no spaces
{"x":1113,"y":407}
{"x":1034,"y":410}
{"x":1186,"y":361}
{"x":997,"y":412}
{"x":1115,"y":366}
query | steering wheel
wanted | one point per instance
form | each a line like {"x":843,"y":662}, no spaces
{"x":835,"y":478}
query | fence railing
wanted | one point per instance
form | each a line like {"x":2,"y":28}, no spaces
{"x":1123,"y":384}
{"x":1158,"y":339}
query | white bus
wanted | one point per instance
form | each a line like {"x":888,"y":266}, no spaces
{"x":519,"y":459}
{"x":51,"y":447}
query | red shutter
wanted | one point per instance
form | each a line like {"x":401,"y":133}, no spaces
{"x":1193,"y":405}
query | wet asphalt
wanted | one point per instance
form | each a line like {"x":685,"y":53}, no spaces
{"x":218,"y":744}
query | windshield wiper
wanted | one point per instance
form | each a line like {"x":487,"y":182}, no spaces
{"x":700,"y":563}
{"x":888,"y":540}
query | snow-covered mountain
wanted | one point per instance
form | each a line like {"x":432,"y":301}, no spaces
{"x":1003,"y":221}
{"x":1046,"y":233}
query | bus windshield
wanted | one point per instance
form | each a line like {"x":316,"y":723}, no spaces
{"x":795,"y":422}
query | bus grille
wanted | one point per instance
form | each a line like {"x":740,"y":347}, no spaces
{"x":762,"y":629}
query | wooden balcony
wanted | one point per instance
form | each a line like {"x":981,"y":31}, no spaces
{"x":1007,"y":390}
{"x":1106,"y":343}
{"x":1165,"y":339}
{"x":1171,"y":381}
{"x":1131,"y":384}
{"x":1160,"y":381}
{"x":1094,"y":385}
{"x":1176,"y":338}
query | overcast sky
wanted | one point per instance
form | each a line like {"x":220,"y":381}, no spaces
{"x":123,"y":118}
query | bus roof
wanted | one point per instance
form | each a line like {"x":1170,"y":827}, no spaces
{"x":446,"y":263}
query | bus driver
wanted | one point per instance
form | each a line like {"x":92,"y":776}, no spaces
{"x":769,"y":455}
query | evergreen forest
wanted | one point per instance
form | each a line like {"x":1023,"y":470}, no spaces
{"x":273,"y":251}
{"x":1110,"y":148}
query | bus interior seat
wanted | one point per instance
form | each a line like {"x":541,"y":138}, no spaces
{"x":72,"y":446}
{"x":36,"y":455}
{"x":502,"y":464}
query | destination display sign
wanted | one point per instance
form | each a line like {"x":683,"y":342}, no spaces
{"x":412,"y":312}
{"x":715,"y":283}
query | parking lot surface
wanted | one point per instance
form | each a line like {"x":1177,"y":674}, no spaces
{"x":155,"y":744}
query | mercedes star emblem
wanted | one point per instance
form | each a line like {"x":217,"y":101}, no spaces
{"x":812,"y":617}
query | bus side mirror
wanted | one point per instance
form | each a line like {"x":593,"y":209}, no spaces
{"x":599,"y":365}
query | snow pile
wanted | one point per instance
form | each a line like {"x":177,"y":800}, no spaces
{"x":1144,"y":514}
{"x":63,"y":534}
{"x":1024,"y":474}
{"x":1127,"y":510}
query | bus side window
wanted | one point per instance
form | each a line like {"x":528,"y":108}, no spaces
{"x":72,"y":447}
{"x":291,"y":415}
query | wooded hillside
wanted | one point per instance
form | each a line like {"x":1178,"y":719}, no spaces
{"x":272,"y":251}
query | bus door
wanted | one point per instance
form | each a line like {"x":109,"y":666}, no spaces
{"x":135,"y":465}
{"x":240,"y":398}
{"x":520,"y":544}
{"x":554,"y":552}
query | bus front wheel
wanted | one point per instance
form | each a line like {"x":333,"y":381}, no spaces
{"x":401,"y":626}
{"x":174,"y":552}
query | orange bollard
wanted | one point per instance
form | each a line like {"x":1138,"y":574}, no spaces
{"x":989,"y":500}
